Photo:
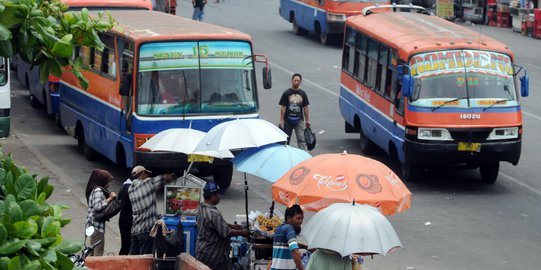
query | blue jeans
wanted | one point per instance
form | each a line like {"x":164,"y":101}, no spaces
{"x":141,"y":244}
{"x":198,"y":13}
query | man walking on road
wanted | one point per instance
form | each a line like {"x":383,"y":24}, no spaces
{"x":142,"y":193}
{"x":294,"y":111}
{"x":213,"y":232}
{"x":198,"y":9}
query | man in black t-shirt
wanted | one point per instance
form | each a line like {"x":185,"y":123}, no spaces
{"x":294,"y":111}
{"x":198,"y":9}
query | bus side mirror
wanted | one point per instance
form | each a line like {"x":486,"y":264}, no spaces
{"x":407,"y":85}
{"x":125,"y":85}
{"x":524,"y":86}
{"x":267,"y":78}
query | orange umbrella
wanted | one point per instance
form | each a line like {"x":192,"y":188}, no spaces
{"x":332,"y":178}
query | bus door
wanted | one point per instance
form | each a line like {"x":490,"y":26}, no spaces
{"x":126,"y":91}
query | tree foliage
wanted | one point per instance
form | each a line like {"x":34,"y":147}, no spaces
{"x":29,"y":226}
{"x":44,"y":34}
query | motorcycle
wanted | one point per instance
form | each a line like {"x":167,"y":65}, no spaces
{"x":79,"y":259}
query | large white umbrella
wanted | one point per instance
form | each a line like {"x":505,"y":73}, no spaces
{"x":181,"y":140}
{"x":351,"y":228}
{"x":241,"y":134}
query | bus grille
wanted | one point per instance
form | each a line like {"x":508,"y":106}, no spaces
{"x":474,"y":135}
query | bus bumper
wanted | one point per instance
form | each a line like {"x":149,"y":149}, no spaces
{"x":335,"y":27}
{"x":447,"y":153}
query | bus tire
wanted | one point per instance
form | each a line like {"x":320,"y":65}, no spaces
{"x":367,"y":146}
{"x":324,"y":38}
{"x":411,"y":172}
{"x":58,"y":120}
{"x":222,"y":175}
{"x":34,"y":102}
{"x":489,"y":171}
{"x":121,"y":157}
{"x":299,"y":31}
{"x":89,"y":153}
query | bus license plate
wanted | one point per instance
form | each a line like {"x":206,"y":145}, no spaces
{"x":199,"y":158}
{"x":469,"y":147}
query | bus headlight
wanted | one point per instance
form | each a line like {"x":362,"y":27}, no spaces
{"x":434,"y":134}
{"x":333,"y":17}
{"x":503,"y":133}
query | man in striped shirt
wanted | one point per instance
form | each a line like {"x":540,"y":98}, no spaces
{"x":285,"y":250}
{"x":213,"y":232}
{"x":142,"y":194}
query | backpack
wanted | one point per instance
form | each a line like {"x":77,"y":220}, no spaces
{"x":170,"y":245}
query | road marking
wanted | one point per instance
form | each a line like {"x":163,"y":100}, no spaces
{"x":304,"y":79}
{"x":532,"y":115}
{"x":522,"y":184}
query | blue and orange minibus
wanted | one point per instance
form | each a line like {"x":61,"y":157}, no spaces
{"x":159,"y":71}
{"x":46,"y":94}
{"x":325,"y":18}
{"x":430,"y":92}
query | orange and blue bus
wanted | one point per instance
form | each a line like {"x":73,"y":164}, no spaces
{"x":46,"y":94}
{"x":159,"y":71}
{"x":430,"y":92}
{"x":325,"y":18}
{"x":5,"y":98}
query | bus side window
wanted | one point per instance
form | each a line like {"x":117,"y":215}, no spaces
{"x":382,"y":69}
{"x":372,"y":68}
{"x":348,"y":57}
{"x":360,"y":46}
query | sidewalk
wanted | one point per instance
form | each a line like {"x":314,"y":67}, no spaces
{"x":64,"y":193}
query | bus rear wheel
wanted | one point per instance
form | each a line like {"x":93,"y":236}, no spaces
{"x":89,"y":153}
{"x":489,"y":171}
{"x":299,"y":31}
{"x":367,"y":146}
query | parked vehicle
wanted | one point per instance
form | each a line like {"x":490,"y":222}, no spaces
{"x":431,"y":92}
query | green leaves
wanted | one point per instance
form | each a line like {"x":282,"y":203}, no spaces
{"x":30,"y":228}
{"x":44,"y":34}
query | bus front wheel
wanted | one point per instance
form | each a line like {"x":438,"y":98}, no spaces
{"x":489,"y":171}
{"x":411,"y":172}
{"x":222,"y":175}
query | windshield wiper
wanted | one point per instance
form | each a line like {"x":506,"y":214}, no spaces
{"x":448,"y":102}
{"x":497,"y":102}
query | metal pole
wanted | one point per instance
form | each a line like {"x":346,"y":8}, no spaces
{"x":246,"y":200}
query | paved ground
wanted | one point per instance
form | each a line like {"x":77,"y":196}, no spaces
{"x":64,"y":193}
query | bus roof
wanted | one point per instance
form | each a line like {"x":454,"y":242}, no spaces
{"x":412,"y":33}
{"x":109,"y":4}
{"x":143,"y":25}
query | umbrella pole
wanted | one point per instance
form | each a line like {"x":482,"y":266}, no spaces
{"x":246,"y":200}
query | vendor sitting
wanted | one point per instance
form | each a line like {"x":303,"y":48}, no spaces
{"x":213,"y":232}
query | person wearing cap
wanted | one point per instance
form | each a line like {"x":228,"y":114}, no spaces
{"x":142,"y":194}
{"x":213,"y":232}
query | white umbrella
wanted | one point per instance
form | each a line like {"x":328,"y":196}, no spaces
{"x":241,"y":134}
{"x":181,"y":140}
{"x":349,"y":228}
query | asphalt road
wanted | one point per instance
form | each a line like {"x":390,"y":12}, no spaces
{"x":455,"y":222}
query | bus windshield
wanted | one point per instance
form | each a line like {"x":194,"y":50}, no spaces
{"x":473,"y":78}
{"x":206,"y":77}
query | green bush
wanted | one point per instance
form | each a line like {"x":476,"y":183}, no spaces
{"x":30,"y":236}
